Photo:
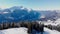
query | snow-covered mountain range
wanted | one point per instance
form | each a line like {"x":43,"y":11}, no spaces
{"x":17,"y":13}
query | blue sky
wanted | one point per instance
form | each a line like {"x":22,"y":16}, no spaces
{"x":34,"y":4}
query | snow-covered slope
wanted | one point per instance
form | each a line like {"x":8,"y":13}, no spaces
{"x":49,"y":22}
{"x":48,"y":31}
{"x":20,"y":30}
{"x":23,"y":30}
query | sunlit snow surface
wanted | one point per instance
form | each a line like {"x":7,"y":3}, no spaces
{"x":48,"y":31}
{"x":23,"y":30}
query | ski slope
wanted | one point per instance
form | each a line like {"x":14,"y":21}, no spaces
{"x":23,"y":30}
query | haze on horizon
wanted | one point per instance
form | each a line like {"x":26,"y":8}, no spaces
{"x":34,"y":4}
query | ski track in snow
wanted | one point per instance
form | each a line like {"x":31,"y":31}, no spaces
{"x":23,"y":30}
